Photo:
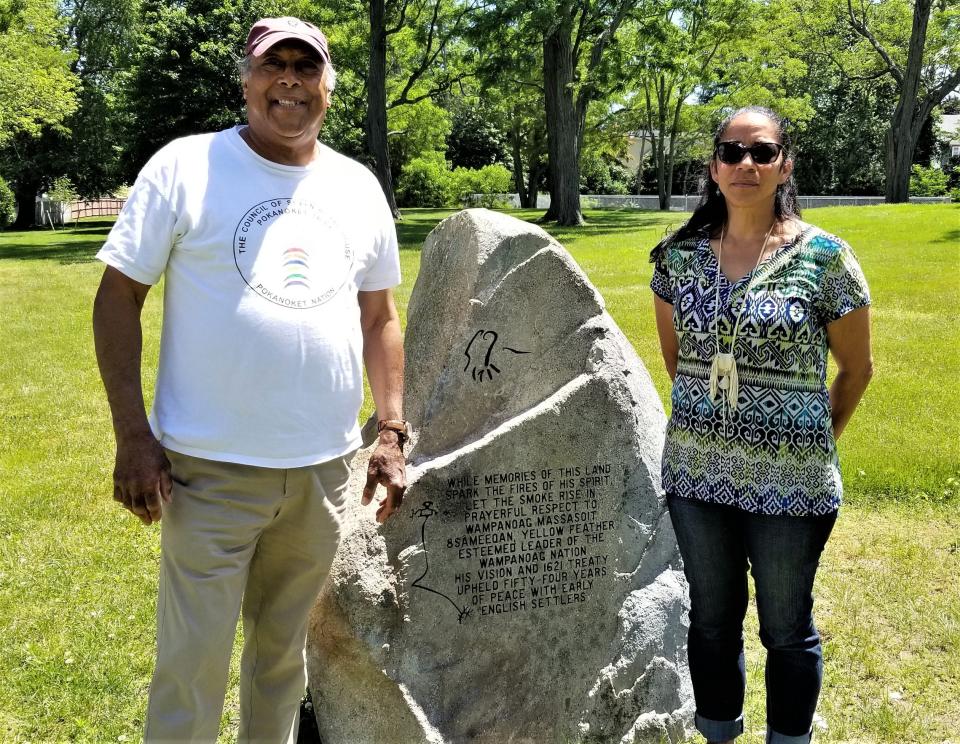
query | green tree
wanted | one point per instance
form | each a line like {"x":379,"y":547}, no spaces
{"x":510,"y":82}
{"x":928,"y":181}
{"x":676,"y":48}
{"x":85,"y":146}
{"x":346,"y":27}
{"x":430,"y":29}
{"x":579,"y":64}
{"x":838,"y":103}
{"x":37,"y":88}
{"x":8,"y":204}
{"x":841,"y":149}
{"x":417,"y":130}
{"x":102,"y":33}
{"x":38,"y":92}
{"x":186,"y":78}
{"x":528,"y":144}
{"x":918,"y":45}
{"x":605,"y":143}
{"x":703,"y":59}
{"x":477,"y":135}
{"x":577,"y":70}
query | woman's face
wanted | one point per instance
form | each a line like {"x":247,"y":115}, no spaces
{"x":749,"y":184}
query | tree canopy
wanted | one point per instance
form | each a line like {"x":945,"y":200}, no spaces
{"x":553,"y":89}
{"x":37,"y":86}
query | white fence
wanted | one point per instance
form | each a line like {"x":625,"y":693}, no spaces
{"x":681,"y":203}
{"x":50,"y":213}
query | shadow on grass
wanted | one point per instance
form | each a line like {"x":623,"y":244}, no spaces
{"x":72,"y":244}
{"x":412,"y":230}
{"x":950,"y":236}
{"x":72,"y":252}
{"x":92,"y":226}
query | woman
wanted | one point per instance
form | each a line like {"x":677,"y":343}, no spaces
{"x":748,"y":300}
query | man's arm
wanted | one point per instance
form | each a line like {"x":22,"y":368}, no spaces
{"x":383,"y":358}
{"x":141,"y":475}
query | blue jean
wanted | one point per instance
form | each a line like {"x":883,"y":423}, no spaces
{"x":716,"y":543}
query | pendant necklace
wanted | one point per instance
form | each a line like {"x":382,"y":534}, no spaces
{"x":723,"y":371}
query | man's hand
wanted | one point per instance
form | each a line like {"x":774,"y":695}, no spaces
{"x":386,"y":467}
{"x":141,"y":477}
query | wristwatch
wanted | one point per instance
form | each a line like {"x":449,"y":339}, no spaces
{"x":396,"y":425}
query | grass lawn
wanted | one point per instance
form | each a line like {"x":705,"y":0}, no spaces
{"x":78,"y":575}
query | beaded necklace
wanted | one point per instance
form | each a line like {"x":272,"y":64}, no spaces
{"x":723,"y":371}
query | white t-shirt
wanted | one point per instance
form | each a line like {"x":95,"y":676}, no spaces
{"x":261,"y":350}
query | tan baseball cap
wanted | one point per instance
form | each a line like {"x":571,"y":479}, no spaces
{"x":267,"y":32}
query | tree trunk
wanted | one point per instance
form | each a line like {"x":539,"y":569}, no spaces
{"x":905,"y":124}
{"x":658,"y":140}
{"x":663,"y":178}
{"x":517,"y":157}
{"x":663,"y":188}
{"x":671,"y":156}
{"x":659,"y":152}
{"x":533,"y":182}
{"x":913,"y":106}
{"x":377,"y":103}
{"x":899,"y":159}
{"x":562,"y":124}
{"x":25,"y":192}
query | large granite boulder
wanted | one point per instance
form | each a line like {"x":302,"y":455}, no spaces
{"x":529,"y":588}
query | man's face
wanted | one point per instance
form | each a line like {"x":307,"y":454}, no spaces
{"x":286,"y":96}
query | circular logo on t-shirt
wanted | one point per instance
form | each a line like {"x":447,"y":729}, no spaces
{"x":292,"y":253}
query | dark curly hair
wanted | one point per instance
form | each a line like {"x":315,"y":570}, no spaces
{"x":711,"y":212}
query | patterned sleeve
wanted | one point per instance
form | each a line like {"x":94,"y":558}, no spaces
{"x":660,"y":281}
{"x":843,"y":287}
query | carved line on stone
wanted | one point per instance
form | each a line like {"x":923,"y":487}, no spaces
{"x":589,"y":326}
{"x":487,"y":362}
{"x":654,"y":534}
{"x":426,"y":511}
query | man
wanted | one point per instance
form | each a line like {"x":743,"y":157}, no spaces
{"x":279,"y":255}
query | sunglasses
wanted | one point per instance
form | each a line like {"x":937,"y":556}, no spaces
{"x":761,"y":153}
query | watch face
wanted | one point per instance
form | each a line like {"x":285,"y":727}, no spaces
{"x":292,"y":253}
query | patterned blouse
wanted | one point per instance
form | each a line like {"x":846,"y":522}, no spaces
{"x":774,"y":453}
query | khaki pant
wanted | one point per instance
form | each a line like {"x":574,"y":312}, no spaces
{"x":239,"y":538}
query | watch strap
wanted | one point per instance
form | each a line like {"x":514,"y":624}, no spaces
{"x":397,"y":425}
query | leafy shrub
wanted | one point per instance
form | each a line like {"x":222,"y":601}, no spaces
{"x":488,"y":183}
{"x":955,"y":195}
{"x":8,"y":204}
{"x":477,"y":137}
{"x":417,"y":131}
{"x":428,"y":182}
{"x":928,"y":181}
{"x":62,"y":190}
{"x":600,"y":174}
{"x":953,"y":172}
{"x":424,"y":182}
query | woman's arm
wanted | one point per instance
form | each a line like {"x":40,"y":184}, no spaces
{"x":849,"y":341}
{"x":669,"y":346}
